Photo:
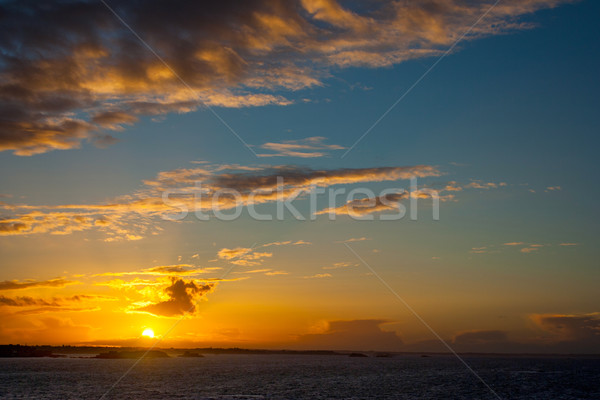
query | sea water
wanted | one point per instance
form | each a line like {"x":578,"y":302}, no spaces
{"x":301,"y":377}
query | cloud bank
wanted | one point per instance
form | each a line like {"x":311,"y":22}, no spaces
{"x":72,"y":71}
{"x":206,"y":188}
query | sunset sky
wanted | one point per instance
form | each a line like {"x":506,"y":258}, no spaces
{"x":115,"y":116}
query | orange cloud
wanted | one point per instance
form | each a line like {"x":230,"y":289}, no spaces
{"x":243,"y":256}
{"x":69,"y":79}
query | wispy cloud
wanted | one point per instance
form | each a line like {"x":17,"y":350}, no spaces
{"x":27,"y":284}
{"x":243,"y":256}
{"x":317,"y":276}
{"x":130,"y":217}
{"x":553,"y":188}
{"x":273,"y":273}
{"x":26,"y":301}
{"x":310,"y":147}
{"x":358,"y":239}
{"x":168,"y":270}
{"x":523,"y":247}
{"x":476,"y":184}
{"x":392,"y":201}
{"x":287,"y":242}
{"x":339,"y":265}
{"x":529,"y":249}
{"x":367,"y":205}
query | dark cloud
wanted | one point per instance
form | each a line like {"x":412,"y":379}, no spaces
{"x":52,"y":309}
{"x":29,"y":305}
{"x":12,"y":228}
{"x":71,"y":69}
{"x":352,"y":335}
{"x":297,"y":177}
{"x":571,"y":328}
{"x":182,"y":298}
{"x":14,"y":285}
{"x":25,"y":301}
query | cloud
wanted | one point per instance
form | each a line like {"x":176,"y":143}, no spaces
{"x":72,"y":69}
{"x":131,"y":217}
{"x":553,"y":189}
{"x":514,"y":243}
{"x":310,"y":147}
{"x":257,"y":271}
{"x":479,"y":250}
{"x":113,"y":119}
{"x":569,"y":244}
{"x":529,"y":249}
{"x":30,"y":305}
{"x":296,"y":178}
{"x":243,"y":256}
{"x":453,"y":186}
{"x":482,"y":185}
{"x":179,"y":269}
{"x":229,"y":254}
{"x":317,"y":276}
{"x":367,"y":205}
{"x":25,"y":301}
{"x":181,"y":296}
{"x":27,"y":284}
{"x":51,"y":309}
{"x":287,"y":242}
{"x":352,"y":335}
{"x":359,"y":239}
{"x":339,"y":265}
{"x":570,"y":327}
{"x":391,"y":201}
{"x":569,"y":333}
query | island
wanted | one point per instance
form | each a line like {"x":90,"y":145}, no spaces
{"x":17,"y":350}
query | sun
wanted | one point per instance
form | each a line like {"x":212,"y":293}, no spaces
{"x":148,"y":333}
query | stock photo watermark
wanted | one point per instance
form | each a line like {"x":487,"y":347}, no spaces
{"x":206,"y":202}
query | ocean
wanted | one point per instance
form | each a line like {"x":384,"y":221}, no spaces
{"x":301,"y":377}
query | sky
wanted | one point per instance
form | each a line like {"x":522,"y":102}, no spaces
{"x":313,"y":174}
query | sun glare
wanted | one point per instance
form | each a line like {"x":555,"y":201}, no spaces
{"x":148,"y":333}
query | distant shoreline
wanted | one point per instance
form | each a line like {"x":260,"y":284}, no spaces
{"x":112,"y":352}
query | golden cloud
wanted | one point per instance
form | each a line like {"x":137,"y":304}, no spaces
{"x":68,"y":79}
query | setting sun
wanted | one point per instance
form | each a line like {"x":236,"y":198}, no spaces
{"x":148,"y":333}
